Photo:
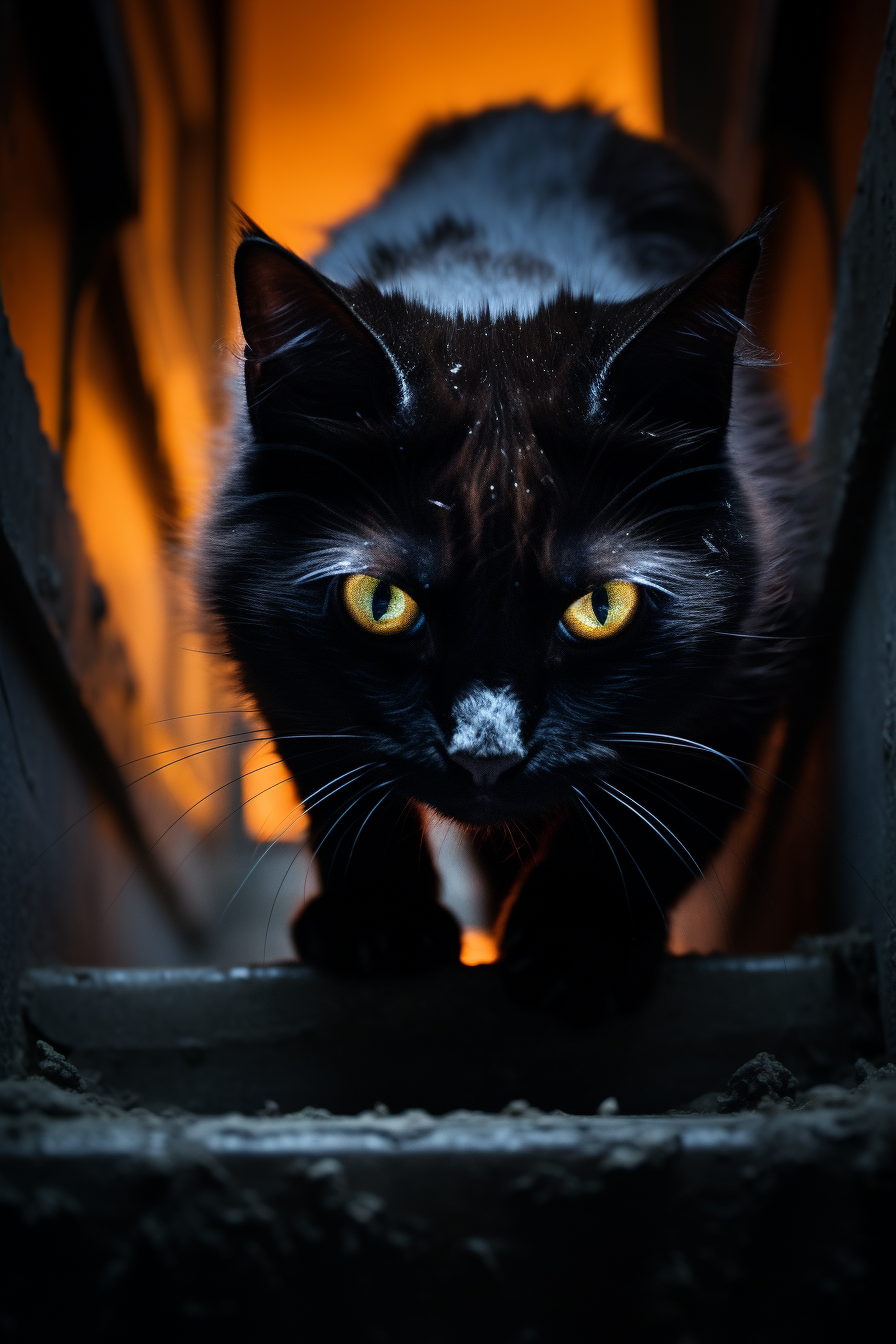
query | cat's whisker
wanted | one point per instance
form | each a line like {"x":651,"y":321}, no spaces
{"x":682,"y":784}
{"x":584,"y":805}
{"x":508,"y":830}
{"x":800,"y":813}
{"x":675,"y":449}
{"x":251,"y":798}
{"x":749,"y":868}
{"x":289,"y":867}
{"x":180,"y":761}
{"x":230,"y":740}
{"x":773,"y":639}
{"x":734,"y":761}
{"x":648,"y":818}
{"x":663,"y":739}
{"x":663,"y":796}
{"x":641,"y":873}
{"x":180,"y":818}
{"x":129,"y":784}
{"x":61,"y":836}
{"x":674,"y":475}
{"x":198,"y":714}
{"x":245,"y":775}
{"x":321,"y":796}
{"x":283,"y":831}
{"x":191,"y":756}
{"x":365,"y":793}
{"x":509,"y":827}
{"x":267,"y":927}
{"x":225,"y":739}
{"x":159,"y":838}
{"x":353,"y":803}
{"x":387,"y":786}
{"x":677,"y":508}
{"x":122,"y":889}
{"x":329,"y":737}
{"x":339,"y":463}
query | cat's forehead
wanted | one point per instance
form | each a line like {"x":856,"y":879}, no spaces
{"x":445,"y":546}
{"x":466,"y":352}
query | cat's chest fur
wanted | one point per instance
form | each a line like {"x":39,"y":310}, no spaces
{"x":510,"y":535}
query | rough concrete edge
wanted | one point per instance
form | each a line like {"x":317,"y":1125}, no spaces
{"x":34,"y":1106}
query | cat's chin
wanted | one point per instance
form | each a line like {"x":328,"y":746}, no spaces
{"x":483,"y":813}
{"x":491,"y":807}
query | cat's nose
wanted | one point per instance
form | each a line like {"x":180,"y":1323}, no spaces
{"x":486,"y":770}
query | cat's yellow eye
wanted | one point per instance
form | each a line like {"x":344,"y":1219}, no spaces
{"x":378,"y":605}
{"x":602,"y":612}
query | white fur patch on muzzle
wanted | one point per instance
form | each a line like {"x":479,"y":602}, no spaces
{"x":487,"y":723}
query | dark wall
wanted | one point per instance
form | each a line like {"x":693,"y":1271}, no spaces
{"x":69,"y":840}
{"x":856,"y":463}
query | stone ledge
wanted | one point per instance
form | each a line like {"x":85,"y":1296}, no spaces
{"x":219,"y":1040}
{"x":522,"y":1227}
{"x":519,"y":1227}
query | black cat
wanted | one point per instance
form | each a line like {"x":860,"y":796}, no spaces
{"x":510,"y":534}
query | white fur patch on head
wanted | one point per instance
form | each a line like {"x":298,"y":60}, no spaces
{"x":487,"y":723}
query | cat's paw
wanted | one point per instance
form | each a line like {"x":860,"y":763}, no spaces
{"x":361,"y":938}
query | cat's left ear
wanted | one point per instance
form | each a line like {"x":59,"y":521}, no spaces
{"x":308,"y":353}
{"x":675,"y":360}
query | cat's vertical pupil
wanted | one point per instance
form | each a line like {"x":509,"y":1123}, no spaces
{"x":379,"y":603}
{"x":600,"y":605}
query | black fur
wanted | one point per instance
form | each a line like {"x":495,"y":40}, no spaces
{"x":529,"y":387}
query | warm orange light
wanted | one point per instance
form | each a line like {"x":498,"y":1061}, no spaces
{"x":478,"y":948}
{"x":325,"y":100}
{"x":799,"y":326}
{"x":116,"y":511}
{"x":271,"y":807}
{"x":34,"y":247}
{"x":702,"y":919}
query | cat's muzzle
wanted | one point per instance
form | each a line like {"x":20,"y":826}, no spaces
{"x":486,"y":770}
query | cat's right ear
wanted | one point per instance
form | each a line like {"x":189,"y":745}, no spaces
{"x":675,"y":361}
{"x":308,"y":355}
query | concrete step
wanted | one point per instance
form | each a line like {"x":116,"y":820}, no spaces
{"x":181,"y":1210}
{"x":222,"y":1040}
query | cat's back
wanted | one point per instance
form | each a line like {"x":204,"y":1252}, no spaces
{"x":508,"y":206}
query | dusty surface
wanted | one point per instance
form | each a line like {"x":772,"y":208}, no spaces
{"x":514,"y":1227}
{"x":764,"y":1202}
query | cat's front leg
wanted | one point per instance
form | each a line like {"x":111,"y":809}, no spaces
{"x":379,"y":911}
{"x":580,"y":935}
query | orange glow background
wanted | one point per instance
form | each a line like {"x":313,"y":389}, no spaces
{"x":325,"y":99}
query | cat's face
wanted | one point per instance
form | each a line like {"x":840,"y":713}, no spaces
{"x":479,"y":550}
